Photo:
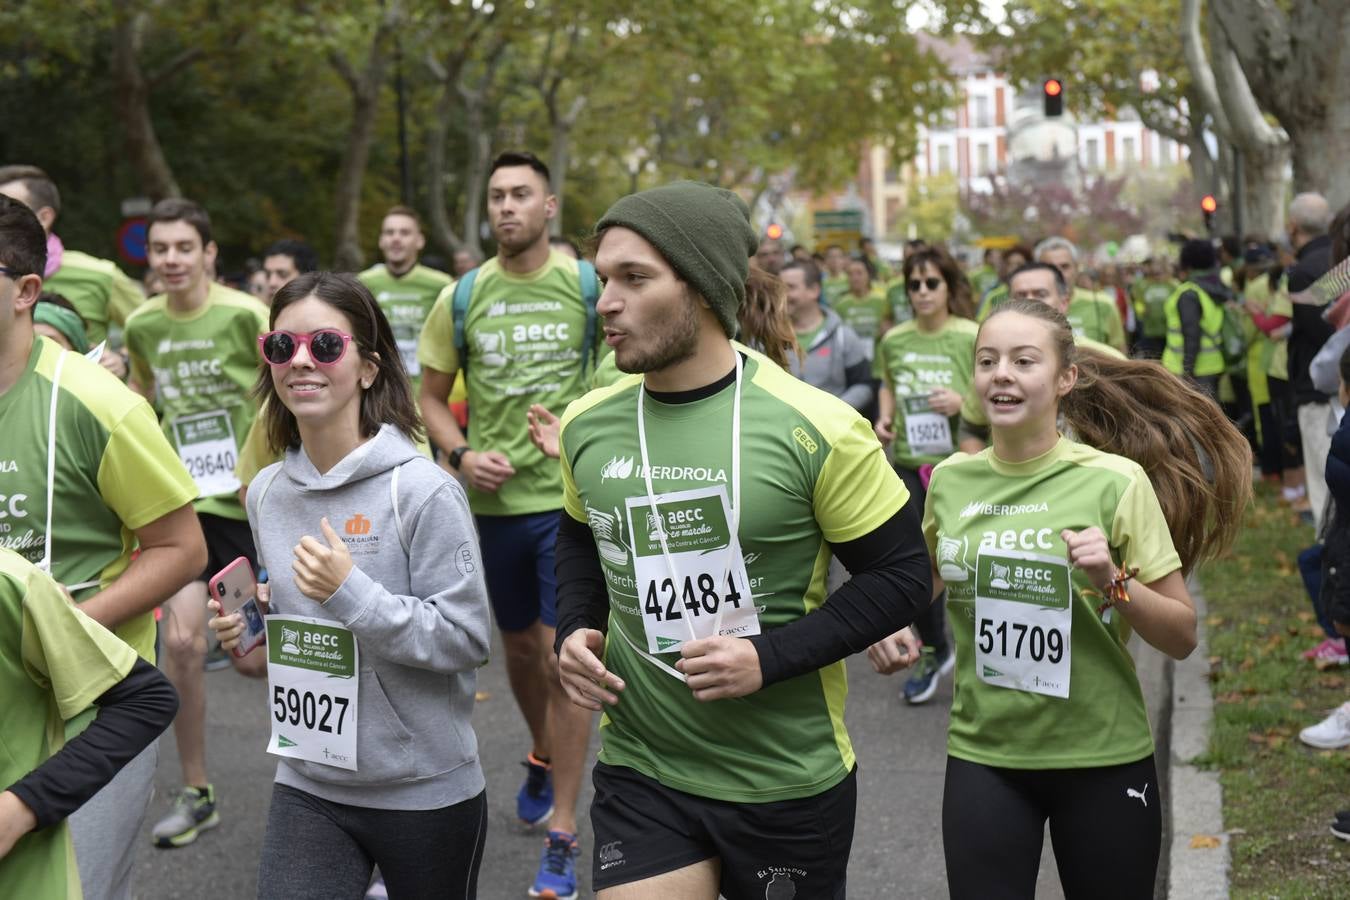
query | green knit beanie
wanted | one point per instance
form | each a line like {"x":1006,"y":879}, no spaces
{"x":703,"y":232}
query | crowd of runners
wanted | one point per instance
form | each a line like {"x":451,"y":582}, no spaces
{"x":685,"y":473}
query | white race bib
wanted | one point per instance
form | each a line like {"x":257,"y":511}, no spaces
{"x":1023,"y":621}
{"x":407,"y":348}
{"x":312,"y":682}
{"x":680,"y":598}
{"x":928,"y":433}
{"x":208,"y":449}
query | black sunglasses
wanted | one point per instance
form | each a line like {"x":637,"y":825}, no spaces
{"x":326,"y":346}
{"x":931,"y":283}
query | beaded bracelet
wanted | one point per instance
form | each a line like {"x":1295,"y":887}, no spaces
{"x":1115,"y":591}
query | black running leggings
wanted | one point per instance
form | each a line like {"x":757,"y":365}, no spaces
{"x":1105,"y":825}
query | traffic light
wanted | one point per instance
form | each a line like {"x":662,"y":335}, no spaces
{"x":774,"y":231}
{"x":1209,"y":206}
{"x":1054,"y":98}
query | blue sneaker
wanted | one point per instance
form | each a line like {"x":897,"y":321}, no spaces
{"x":534,"y":801}
{"x":923,"y":684}
{"x":557,"y":878}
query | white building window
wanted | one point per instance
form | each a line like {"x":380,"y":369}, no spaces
{"x":1127,"y":151}
{"x":944,"y":158}
{"x":1092,"y":154}
{"x":982,"y":116}
{"x":982,"y":157}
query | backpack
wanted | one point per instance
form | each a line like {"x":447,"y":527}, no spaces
{"x":1232,"y":337}
{"x":459,"y":309}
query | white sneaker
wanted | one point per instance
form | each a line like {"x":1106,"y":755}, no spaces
{"x":1331,"y":733}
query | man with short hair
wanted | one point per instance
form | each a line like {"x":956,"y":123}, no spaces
{"x":525,"y":318}
{"x":404,"y":289}
{"x":1309,"y":218}
{"x":1091,"y":313}
{"x":1194,"y":317}
{"x":465,"y":261}
{"x":769,"y":256}
{"x":702,"y":502}
{"x":115,"y":484}
{"x":194,"y":354}
{"x":834,"y":359}
{"x":101,"y":293}
{"x":1149,"y":294}
{"x":835,"y":281}
{"x":285,"y":259}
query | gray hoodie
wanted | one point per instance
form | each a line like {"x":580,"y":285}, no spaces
{"x":838,"y":362}
{"x":420,"y":617}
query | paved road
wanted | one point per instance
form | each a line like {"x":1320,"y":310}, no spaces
{"x":897,"y":850}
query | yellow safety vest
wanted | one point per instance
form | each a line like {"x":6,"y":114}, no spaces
{"x":1209,"y":361}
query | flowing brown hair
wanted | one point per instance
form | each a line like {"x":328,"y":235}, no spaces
{"x":764,"y":320}
{"x":960,"y":296}
{"x":388,"y":399}
{"x":1198,"y":462}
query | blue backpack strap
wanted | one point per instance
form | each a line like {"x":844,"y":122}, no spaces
{"x":459,"y":312}
{"x":590,"y":295}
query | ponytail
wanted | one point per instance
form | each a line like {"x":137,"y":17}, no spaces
{"x":764,"y":320}
{"x":1199,"y":463}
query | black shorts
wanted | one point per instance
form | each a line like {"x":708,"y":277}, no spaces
{"x":644,"y":829}
{"x":226,"y":541}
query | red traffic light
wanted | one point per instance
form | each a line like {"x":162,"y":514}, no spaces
{"x":1053,"y":88}
{"x":774,"y":231}
{"x":1208,"y":204}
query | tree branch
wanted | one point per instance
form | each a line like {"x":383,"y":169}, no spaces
{"x":1202,"y":76}
{"x":173,"y":67}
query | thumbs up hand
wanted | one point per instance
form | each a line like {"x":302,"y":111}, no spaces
{"x":320,"y":567}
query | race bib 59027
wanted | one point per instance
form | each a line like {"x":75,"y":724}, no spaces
{"x":312,"y":682}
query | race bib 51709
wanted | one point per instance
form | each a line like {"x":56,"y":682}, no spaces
{"x":1023,"y":621}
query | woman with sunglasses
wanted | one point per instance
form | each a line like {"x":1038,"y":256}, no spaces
{"x":1052,"y":552}
{"x":380,"y":764}
{"x":925,"y":368}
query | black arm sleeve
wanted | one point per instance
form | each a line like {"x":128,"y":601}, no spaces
{"x":1188,"y":307}
{"x":583,"y":599}
{"x":131,"y":714}
{"x":892,"y":583}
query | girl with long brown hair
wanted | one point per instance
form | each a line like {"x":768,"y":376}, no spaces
{"x":1052,"y":552}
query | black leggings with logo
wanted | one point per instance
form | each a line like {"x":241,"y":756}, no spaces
{"x":1105,"y":825}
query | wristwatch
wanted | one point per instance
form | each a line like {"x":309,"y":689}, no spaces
{"x":456,"y":456}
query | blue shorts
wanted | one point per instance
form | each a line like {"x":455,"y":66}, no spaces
{"x":518,"y":563}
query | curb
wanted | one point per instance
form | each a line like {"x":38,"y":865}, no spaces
{"x":1196,"y":798}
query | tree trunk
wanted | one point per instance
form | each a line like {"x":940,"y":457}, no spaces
{"x":442,"y":232}
{"x":132,"y":93}
{"x":558,"y":154}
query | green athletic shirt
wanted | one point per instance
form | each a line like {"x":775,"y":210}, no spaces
{"x":832,"y":287}
{"x":54,"y":662}
{"x":972,"y":408}
{"x":525,"y":343}
{"x":606,"y":373}
{"x":912,"y":363}
{"x":115,"y":473}
{"x":981,"y":504}
{"x":202,"y":362}
{"x":406,"y":300}
{"x":1093,"y":315}
{"x":812,"y":473}
{"x":100,"y":292}
{"x":864,"y":315}
{"x":897,"y":300}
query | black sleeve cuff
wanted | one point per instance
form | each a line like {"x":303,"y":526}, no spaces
{"x":583,"y":598}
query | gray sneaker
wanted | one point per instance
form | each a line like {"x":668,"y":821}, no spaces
{"x":193,"y":812}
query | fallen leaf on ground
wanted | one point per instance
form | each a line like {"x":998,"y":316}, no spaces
{"x":1205,"y":842}
{"x":482,"y":695}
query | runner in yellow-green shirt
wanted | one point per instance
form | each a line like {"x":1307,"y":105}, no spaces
{"x":1091,"y":313}
{"x":115,"y":483}
{"x":194,"y":352}
{"x":1052,"y":553}
{"x":863,"y":307}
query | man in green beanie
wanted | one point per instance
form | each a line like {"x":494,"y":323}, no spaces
{"x":703,"y":498}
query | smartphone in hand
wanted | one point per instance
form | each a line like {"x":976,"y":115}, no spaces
{"x":235,"y":588}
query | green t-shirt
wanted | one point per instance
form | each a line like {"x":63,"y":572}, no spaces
{"x":526,"y":337}
{"x":1093,"y":315}
{"x":972,"y":407}
{"x":912,"y":363}
{"x":1270,"y":356}
{"x":100,"y":292}
{"x":606,"y":373}
{"x":833,"y":286}
{"x":995,"y":297}
{"x":203,"y":366}
{"x":406,"y":300}
{"x":995,"y":526}
{"x":865,"y":315}
{"x":54,"y":662}
{"x":806,"y":338}
{"x":115,"y":473}
{"x":812,"y":473}
{"x":897,"y":300}
{"x":1150,"y":302}
{"x":983,"y":279}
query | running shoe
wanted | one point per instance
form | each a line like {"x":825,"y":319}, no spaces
{"x":534,"y":800}
{"x":923,"y":684}
{"x":1341,"y":829}
{"x":377,"y":890}
{"x":194,"y":811}
{"x":557,"y":878}
{"x":1331,"y":733}
{"x":1312,"y":652}
{"x":1330,"y":654}
{"x":217,"y":658}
